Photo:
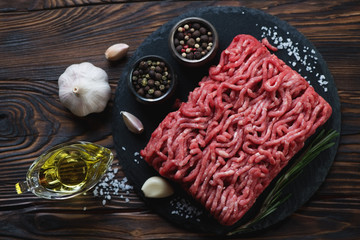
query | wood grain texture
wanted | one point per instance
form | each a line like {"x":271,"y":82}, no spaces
{"x":40,"y":38}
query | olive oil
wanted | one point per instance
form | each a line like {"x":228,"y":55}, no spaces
{"x":66,"y":170}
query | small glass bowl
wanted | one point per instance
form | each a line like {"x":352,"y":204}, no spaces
{"x":174,"y":40}
{"x":166,"y":84}
{"x":66,"y":170}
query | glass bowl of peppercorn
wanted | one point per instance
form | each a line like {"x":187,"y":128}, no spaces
{"x":152,"y":80}
{"x":193,"y":41}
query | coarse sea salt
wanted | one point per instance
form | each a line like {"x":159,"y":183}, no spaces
{"x":183,"y":208}
{"x":137,"y":157}
{"x":302,"y":58}
{"x":109,"y":186}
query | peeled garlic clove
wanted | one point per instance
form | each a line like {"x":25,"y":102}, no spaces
{"x":157,"y":187}
{"x":132,"y":122}
{"x":116,"y":51}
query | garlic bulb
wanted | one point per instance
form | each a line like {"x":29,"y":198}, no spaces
{"x":84,"y":89}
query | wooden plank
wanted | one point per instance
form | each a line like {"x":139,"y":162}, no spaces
{"x":41,"y":44}
{"x":52,"y":121}
{"x":37,"y":46}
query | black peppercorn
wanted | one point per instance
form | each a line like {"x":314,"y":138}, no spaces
{"x":190,"y":55}
{"x":197,"y":55}
{"x":152,"y":73}
{"x":141,"y":92}
{"x":196,"y":34}
{"x":191,"y":42}
{"x":136,"y":73}
{"x":178,"y":48}
{"x":157,"y":93}
{"x":176,"y":41}
{"x":147,"y":78}
{"x":143,"y":65}
{"x":151,"y":82}
{"x":204,"y":38}
{"x":158,"y":76}
{"x":158,"y":69}
{"x":191,"y":38}
{"x":196,"y":26}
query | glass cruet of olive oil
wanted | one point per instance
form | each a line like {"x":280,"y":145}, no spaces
{"x":66,"y":170}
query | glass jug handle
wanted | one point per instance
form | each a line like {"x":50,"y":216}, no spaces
{"x":22,"y":187}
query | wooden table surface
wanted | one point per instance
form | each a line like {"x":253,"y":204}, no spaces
{"x":40,"y":38}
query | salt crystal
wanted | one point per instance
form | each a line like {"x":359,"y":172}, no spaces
{"x":110,"y":186}
{"x":184,"y":208}
{"x":304,"y":56}
{"x":95,"y":192}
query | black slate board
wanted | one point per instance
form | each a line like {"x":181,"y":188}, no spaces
{"x":294,"y":49}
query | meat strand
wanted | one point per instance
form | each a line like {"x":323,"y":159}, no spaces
{"x":237,"y":130}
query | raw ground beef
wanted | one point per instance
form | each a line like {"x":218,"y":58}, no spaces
{"x":237,"y":130}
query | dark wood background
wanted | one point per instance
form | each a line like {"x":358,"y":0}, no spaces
{"x":40,"y":38}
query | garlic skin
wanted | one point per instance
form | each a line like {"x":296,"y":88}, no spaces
{"x":157,"y":187}
{"x":84,"y":89}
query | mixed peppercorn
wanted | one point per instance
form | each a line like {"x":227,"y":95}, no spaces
{"x":151,"y":78}
{"x":193,"y":40}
